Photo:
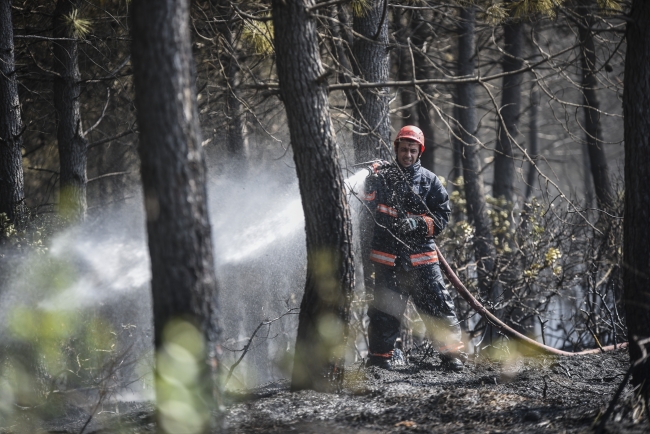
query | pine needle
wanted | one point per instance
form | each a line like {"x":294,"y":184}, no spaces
{"x":259,"y":34}
{"x":609,"y":7}
{"x":496,"y":14}
{"x":360,"y":7}
{"x":77,"y":27}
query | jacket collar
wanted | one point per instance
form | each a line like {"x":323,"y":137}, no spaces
{"x":412,"y":169}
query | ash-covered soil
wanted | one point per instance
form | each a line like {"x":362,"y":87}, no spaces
{"x":540,"y":394}
{"x":531,"y":394}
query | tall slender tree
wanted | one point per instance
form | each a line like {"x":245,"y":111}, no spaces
{"x":70,"y":134}
{"x":533,"y":140}
{"x":636,"y":233}
{"x":173,"y":172}
{"x":325,"y":307}
{"x":372,"y":64}
{"x":484,"y":250}
{"x":420,"y":23}
{"x":592,"y":129}
{"x":12,"y":196}
{"x":236,"y":142}
{"x":504,"y":165}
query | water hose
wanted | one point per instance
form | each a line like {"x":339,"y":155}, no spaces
{"x":504,"y":328}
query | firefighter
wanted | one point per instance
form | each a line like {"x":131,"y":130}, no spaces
{"x":408,"y":207}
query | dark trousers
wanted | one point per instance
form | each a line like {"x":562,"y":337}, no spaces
{"x":393,"y":287}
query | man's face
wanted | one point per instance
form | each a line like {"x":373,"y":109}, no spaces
{"x":407,"y":153}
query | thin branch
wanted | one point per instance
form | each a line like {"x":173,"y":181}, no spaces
{"x":38,"y":169}
{"x":325,"y":4}
{"x":458,"y":80}
{"x":291,"y":311}
{"x":108,"y":175}
{"x":44,"y":38}
{"x":110,"y":139}
{"x":96,"y":124}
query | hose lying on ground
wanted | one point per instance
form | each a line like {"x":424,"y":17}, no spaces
{"x":502,"y":327}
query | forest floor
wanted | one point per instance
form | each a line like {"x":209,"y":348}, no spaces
{"x":528,"y":394}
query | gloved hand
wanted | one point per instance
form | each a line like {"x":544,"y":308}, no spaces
{"x":407,"y":225}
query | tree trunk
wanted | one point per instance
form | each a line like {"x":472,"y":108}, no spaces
{"x":325,"y":307}
{"x":504,"y":164}
{"x":533,"y":140}
{"x":474,"y":190}
{"x":593,"y":136}
{"x":636,"y":233}
{"x":70,"y":135}
{"x":174,"y":181}
{"x":342,"y":49}
{"x":235,"y":115}
{"x":424,"y":70}
{"x":12,"y":196}
{"x":371,"y":57}
{"x":405,"y":73}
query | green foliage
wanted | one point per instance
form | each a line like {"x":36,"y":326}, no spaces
{"x":77,"y":27}
{"x":52,"y":349}
{"x":360,"y":7}
{"x":528,"y":8}
{"x":31,"y":237}
{"x":182,"y":400}
{"x":259,"y":35}
{"x":540,"y":261}
{"x":610,"y":7}
{"x":496,"y":14}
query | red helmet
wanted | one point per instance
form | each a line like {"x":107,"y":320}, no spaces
{"x":413,"y":133}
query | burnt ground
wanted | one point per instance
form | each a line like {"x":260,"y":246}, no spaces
{"x":532,"y":395}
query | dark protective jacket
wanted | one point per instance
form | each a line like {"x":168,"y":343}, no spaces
{"x":395,"y":193}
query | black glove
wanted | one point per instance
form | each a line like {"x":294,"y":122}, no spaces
{"x":407,"y":225}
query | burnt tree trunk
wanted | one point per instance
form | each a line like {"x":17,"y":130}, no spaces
{"x":236,"y":143}
{"x":372,"y":64}
{"x":504,"y":164}
{"x":325,"y":307}
{"x":70,"y":135}
{"x":173,"y":171}
{"x":474,"y":190}
{"x":636,"y":232}
{"x":12,"y":196}
{"x":593,"y":136}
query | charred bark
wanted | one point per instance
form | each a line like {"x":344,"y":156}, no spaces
{"x":12,"y":195}
{"x":474,"y":190}
{"x":325,"y":307}
{"x":70,"y":135}
{"x":504,"y":165}
{"x":593,"y":136}
{"x":173,"y":172}
{"x":636,"y":232}
{"x":372,"y":64}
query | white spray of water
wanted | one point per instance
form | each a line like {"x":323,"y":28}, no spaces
{"x":107,"y":268}
{"x":268,"y":223}
{"x":258,"y":232}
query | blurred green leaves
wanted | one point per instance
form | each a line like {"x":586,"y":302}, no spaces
{"x":183,"y":403}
